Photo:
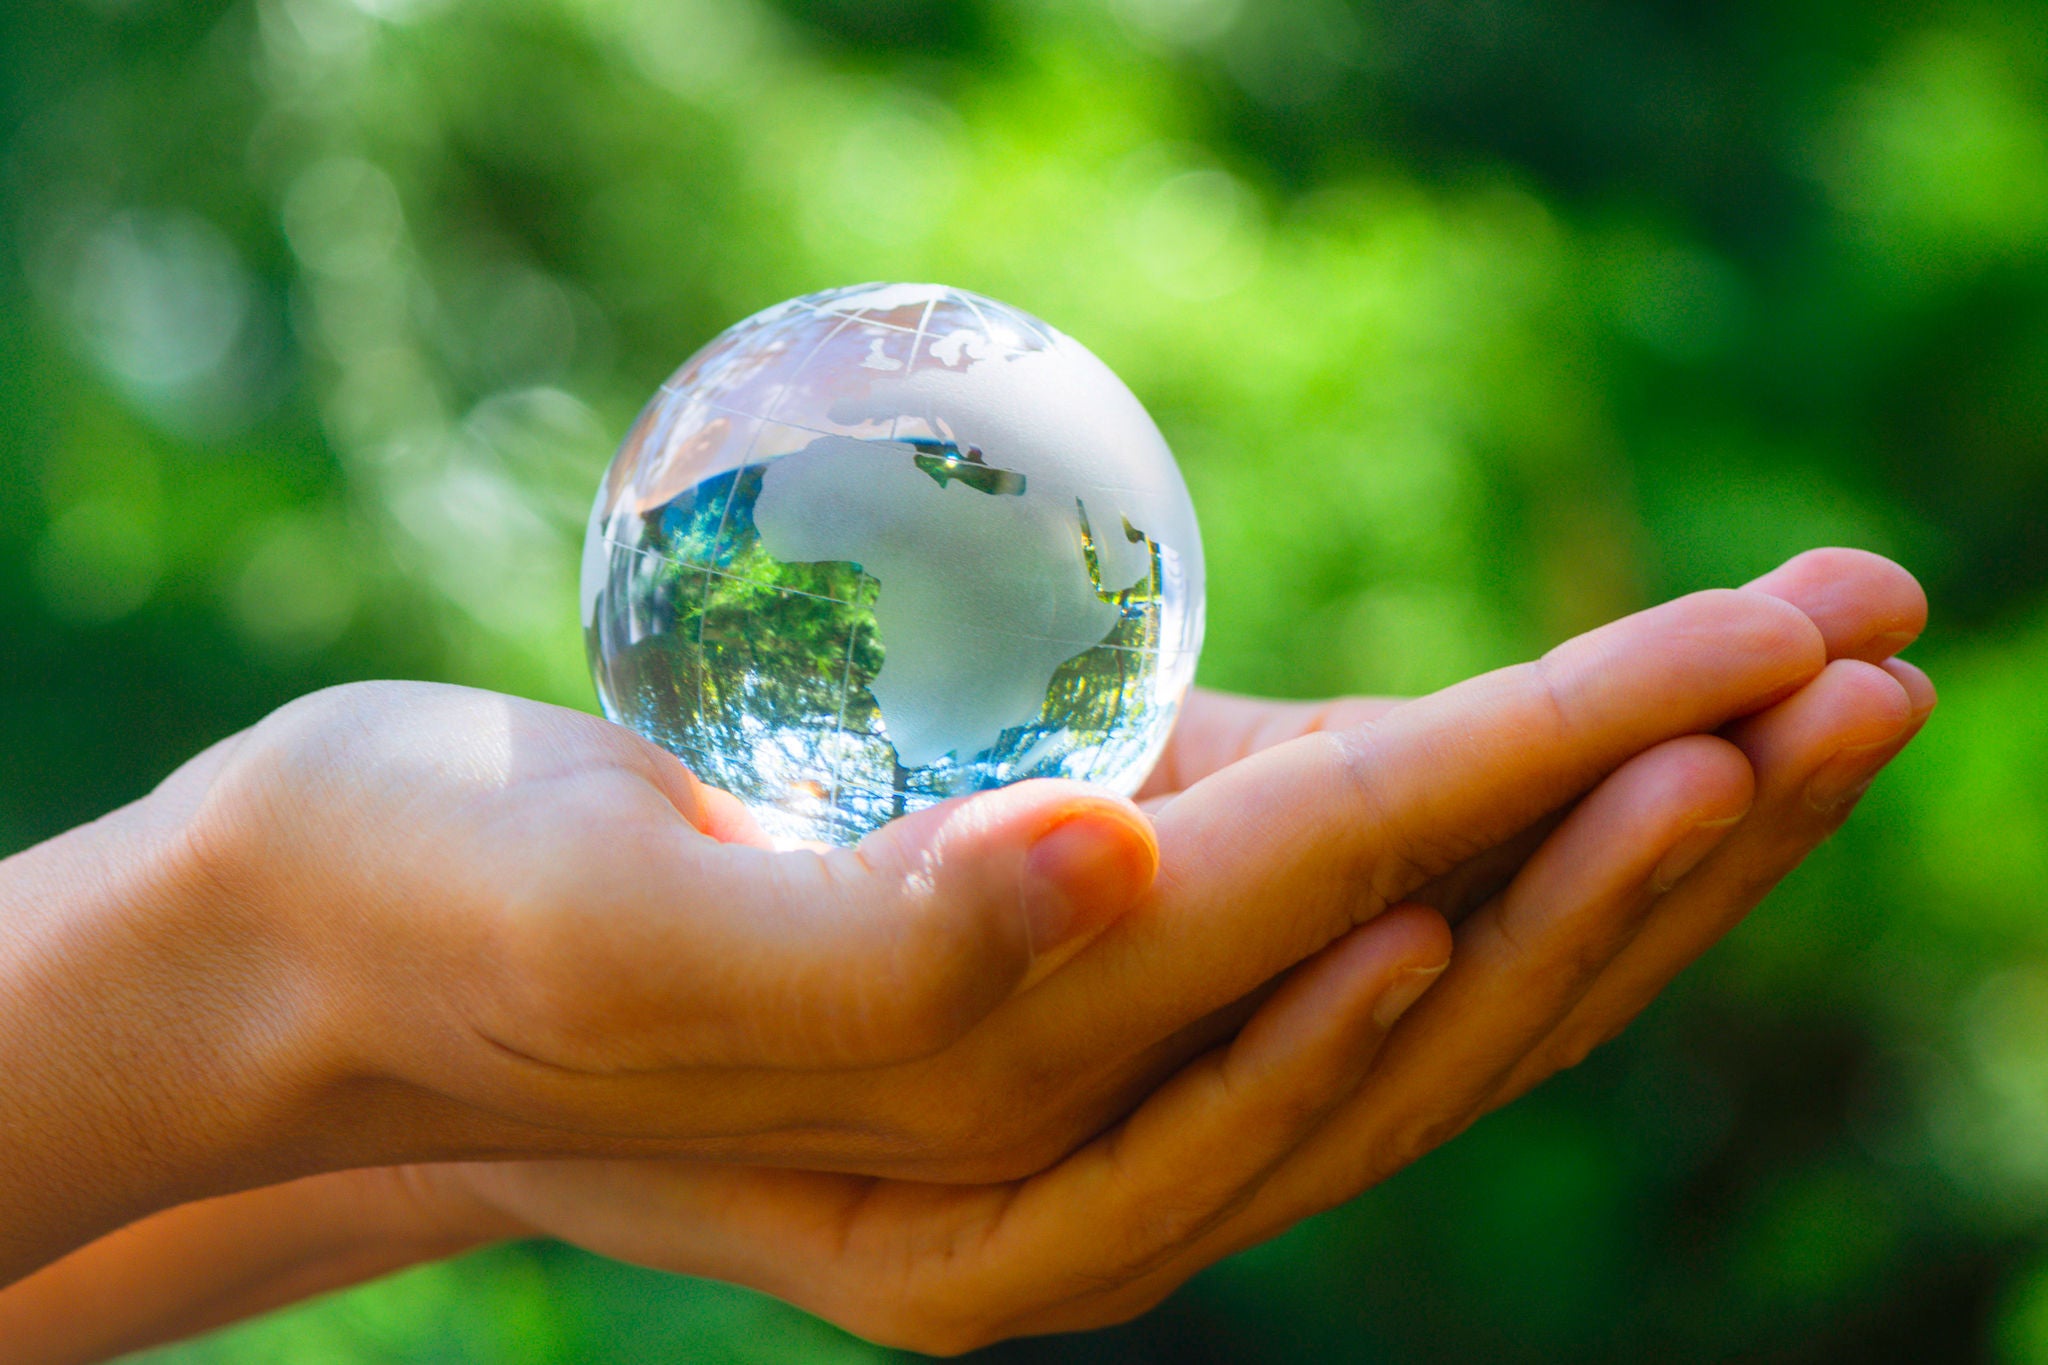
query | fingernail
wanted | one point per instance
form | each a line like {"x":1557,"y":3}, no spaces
{"x":1892,"y":641}
{"x":1685,"y":855}
{"x":1084,"y":872}
{"x":1405,"y":990}
{"x":1845,"y":777}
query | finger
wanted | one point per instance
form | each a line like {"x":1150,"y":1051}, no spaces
{"x":1866,"y":606}
{"x":1841,"y":730}
{"x":1195,"y":1152}
{"x":1440,"y":778}
{"x":730,"y":820}
{"x":1216,"y":729}
{"x":1273,"y":858}
{"x":1517,"y":968}
{"x":1525,"y":959}
{"x":779,"y":1231}
{"x":681,"y":950}
{"x":964,"y":1265}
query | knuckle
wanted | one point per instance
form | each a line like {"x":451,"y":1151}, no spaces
{"x":1704,"y":763}
{"x":1553,"y":699}
{"x":1365,"y":810}
{"x":1576,"y":947}
{"x":556,"y":977}
{"x":1114,"y":1305}
{"x":1291,"y":1109}
{"x":1765,"y":625}
{"x":1356,"y":758}
{"x":221,"y":843}
{"x":1407,"y":1143}
{"x":1399,"y":841}
{"x":1164,"y":1228}
{"x":1575,"y":1041}
{"x":1411,"y":858}
{"x":1575,"y":1047}
{"x":953,"y":960}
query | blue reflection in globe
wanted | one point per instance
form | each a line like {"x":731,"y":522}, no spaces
{"x":880,"y":546}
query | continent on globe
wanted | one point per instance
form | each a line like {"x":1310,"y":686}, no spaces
{"x":944,"y":462}
{"x":983,"y":596}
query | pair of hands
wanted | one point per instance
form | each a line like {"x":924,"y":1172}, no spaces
{"x":484,"y":930}
{"x":1333,"y":835}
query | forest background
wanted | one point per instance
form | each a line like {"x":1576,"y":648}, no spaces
{"x":1473,"y":325}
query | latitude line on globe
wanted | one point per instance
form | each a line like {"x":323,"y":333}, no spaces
{"x":860,"y":315}
{"x":910,"y":365}
{"x":1030,"y":326}
{"x":988,"y":331}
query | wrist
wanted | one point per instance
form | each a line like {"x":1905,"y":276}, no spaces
{"x":202,"y":1265}
{"x":160,"y":1035}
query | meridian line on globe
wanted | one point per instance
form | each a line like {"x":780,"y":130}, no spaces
{"x":924,"y":320}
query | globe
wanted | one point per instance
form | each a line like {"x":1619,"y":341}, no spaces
{"x":880,"y":546}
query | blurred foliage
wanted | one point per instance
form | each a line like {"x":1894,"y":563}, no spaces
{"x":1474,"y":324}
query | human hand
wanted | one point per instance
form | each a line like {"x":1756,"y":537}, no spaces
{"x":478,"y":927}
{"x":482,"y":927}
{"x":742,"y":1022}
{"x":1862,"y":607}
{"x":1866,"y":607}
{"x":394,"y":920}
{"x":1322,"y":1093}
{"x":220,"y":1011}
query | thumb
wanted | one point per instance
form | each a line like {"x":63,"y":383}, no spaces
{"x":861,"y":956}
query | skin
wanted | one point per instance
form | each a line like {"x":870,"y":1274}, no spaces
{"x":1116,"y":1100}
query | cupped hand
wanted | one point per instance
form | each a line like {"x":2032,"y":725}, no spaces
{"x":583,"y":980}
{"x":1337,"y":1080}
{"x":1267,"y":855}
{"x":519,"y":931}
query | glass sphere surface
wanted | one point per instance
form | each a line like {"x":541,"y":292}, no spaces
{"x":884,"y":545}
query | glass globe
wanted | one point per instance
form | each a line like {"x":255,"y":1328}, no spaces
{"x":880,"y":546}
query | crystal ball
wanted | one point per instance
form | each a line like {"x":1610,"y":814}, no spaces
{"x":884,"y":545}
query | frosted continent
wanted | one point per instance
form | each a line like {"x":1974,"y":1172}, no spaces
{"x":983,"y":594}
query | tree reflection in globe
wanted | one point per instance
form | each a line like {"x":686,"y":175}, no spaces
{"x":884,"y":545}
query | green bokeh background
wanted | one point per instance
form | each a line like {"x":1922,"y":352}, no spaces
{"x":1473,"y":325}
